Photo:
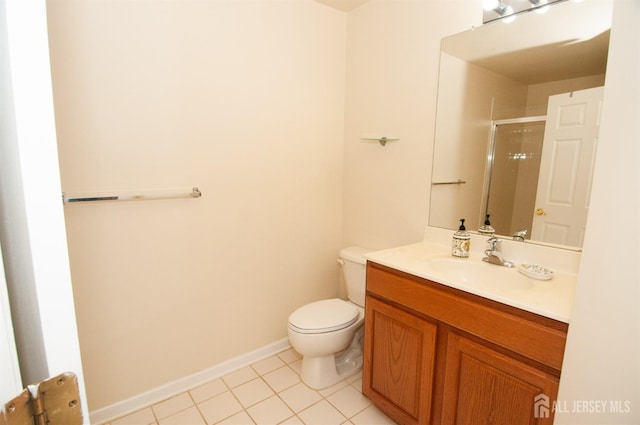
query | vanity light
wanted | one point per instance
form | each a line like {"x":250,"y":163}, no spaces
{"x":540,"y":6}
{"x":498,"y":7}
{"x":508,"y":10}
{"x":502,"y":10}
{"x":510,"y":16}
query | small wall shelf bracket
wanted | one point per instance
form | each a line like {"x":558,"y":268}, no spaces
{"x":382,"y":140}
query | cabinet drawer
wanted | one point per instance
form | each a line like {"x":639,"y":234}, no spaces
{"x":538,"y":338}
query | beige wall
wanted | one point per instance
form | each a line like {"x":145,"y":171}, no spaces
{"x":474,"y":96}
{"x":244,"y":100}
{"x":602,"y":358}
{"x":260,"y":240}
{"x":393,"y":51}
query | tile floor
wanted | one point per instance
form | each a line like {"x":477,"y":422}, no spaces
{"x":267,"y":392}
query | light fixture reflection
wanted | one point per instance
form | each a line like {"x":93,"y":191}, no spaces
{"x":509,"y":16}
{"x":499,"y":7}
{"x":540,"y":6}
{"x":490,"y":4}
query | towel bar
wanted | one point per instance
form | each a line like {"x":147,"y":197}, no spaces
{"x":195,"y":193}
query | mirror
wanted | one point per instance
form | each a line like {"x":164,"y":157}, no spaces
{"x":498,"y":80}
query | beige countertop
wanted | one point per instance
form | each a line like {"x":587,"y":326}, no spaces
{"x":433,"y":261}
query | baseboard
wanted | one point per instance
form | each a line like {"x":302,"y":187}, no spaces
{"x":163,"y":392}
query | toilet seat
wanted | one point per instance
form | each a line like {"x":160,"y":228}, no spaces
{"x":323,"y":316}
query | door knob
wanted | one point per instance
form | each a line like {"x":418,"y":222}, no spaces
{"x":540,"y":211}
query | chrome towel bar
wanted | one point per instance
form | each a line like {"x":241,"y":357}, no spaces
{"x":195,"y":193}
{"x":459,"y":181}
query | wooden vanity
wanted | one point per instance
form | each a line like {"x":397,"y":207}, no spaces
{"x":436,"y":355}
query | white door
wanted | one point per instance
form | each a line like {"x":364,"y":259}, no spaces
{"x":10,"y":380}
{"x":566,"y":168}
{"x":44,"y":309}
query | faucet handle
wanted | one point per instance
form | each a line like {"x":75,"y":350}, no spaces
{"x":494,"y":242}
{"x":519,"y":235}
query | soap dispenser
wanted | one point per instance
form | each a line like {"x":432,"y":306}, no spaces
{"x":461,"y":242}
{"x":486,"y":230}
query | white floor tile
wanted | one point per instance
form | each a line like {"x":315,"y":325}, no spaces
{"x":300,"y":397}
{"x":281,"y":379}
{"x":357,"y":384}
{"x":267,"y":365}
{"x":172,"y":405}
{"x":296,"y":366}
{"x":322,"y":413}
{"x":326,"y":392}
{"x":144,"y":416}
{"x":190,"y":416}
{"x":349,"y":401}
{"x":208,"y":390}
{"x":289,"y":356}
{"x":294,"y":420}
{"x":270,"y":411}
{"x":353,"y":379}
{"x":219,"y":407}
{"x":267,"y":392}
{"x":371,"y":416}
{"x":240,"y":376}
{"x":241,"y":418}
{"x":252,"y":392}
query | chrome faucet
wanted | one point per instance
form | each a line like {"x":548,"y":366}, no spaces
{"x":519,"y":235}
{"x":494,"y":255}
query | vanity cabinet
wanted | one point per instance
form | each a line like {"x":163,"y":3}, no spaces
{"x":437,"y":355}
{"x":401,"y":364}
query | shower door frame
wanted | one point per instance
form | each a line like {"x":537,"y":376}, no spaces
{"x":491,"y":148}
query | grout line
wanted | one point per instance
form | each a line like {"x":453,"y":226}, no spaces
{"x":348,"y":382}
{"x":204,"y":420}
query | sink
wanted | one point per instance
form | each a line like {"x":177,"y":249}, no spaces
{"x":478,"y":273}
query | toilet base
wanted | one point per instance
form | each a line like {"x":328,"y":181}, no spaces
{"x":324,"y":371}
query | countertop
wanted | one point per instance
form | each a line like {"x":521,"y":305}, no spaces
{"x":550,"y":298}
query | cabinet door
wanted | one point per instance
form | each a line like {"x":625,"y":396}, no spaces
{"x":398,"y":362}
{"x":485,"y":387}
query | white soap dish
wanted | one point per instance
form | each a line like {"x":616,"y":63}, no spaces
{"x":535,"y":271}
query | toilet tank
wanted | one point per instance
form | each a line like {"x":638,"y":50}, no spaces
{"x":355,"y":272}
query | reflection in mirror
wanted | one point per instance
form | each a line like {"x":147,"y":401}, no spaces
{"x":513,"y":167}
{"x":493,"y":131}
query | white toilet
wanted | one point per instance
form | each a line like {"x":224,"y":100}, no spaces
{"x":328,"y":333}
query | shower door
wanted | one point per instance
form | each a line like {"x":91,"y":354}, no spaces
{"x":514,"y":167}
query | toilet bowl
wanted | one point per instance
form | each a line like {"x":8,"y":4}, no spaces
{"x":329,"y":333}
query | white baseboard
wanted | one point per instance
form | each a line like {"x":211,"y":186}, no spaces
{"x":124,"y":407}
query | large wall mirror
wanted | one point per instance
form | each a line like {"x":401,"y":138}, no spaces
{"x":517,"y":122}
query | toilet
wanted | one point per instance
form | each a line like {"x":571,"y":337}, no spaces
{"x":328,"y":333}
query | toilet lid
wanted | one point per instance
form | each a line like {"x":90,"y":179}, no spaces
{"x":323,"y":316}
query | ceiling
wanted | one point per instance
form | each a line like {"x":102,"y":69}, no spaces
{"x":553,"y":44}
{"x":344,"y":5}
{"x":565,"y":42}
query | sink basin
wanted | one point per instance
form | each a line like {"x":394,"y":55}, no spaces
{"x":478,"y":273}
